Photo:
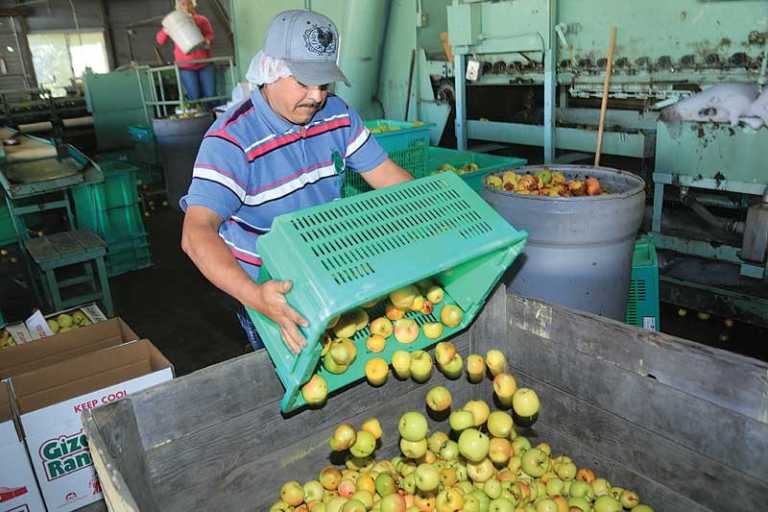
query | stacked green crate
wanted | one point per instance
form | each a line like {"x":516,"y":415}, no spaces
{"x":7,"y":233}
{"x":111,"y":210}
{"x":144,"y":155}
{"x":470,"y":165}
{"x":643,"y":297}
{"x":406,"y":144}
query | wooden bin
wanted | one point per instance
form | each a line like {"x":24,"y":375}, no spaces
{"x":684,"y":425}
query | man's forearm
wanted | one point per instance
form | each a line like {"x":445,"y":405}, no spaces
{"x":212,"y":256}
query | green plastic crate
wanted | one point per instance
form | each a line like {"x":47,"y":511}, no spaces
{"x":437,"y":157}
{"x":406,"y":144}
{"x":349,"y":252}
{"x":7,"y":233}
{"x":128,"y":255}
{"x":110,"y":209}
{"x":643,"y":298}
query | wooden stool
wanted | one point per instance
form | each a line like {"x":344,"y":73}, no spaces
{"x":59,"y":250}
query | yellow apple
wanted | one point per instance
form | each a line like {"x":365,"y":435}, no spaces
{"x":393,"y":313}
{"x":451,"y":315}
{"x":346,"y":327}
{"x":373,"y":426}
{"x":444,"y":352}
{"x":404,"y":297}
{"x":433,"y":330}
{"x":406,"y":330}
{"x":401,"y":362}
{"x":381,"y":326}
{"x":376,"y":371}
{"x":475,"y":368}
{"x":421,"y":366}
{"x":504,"y":385}
{"x":417,"y":304}
{"x":479,"y":410}
{"x":435,"y":294}
{"x":375,"y":343}
{"x":496,"y":361}
{"x":315,"y":391}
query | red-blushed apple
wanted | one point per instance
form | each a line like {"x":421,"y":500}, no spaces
{"x":629,"y":499}
{"x":586,"y":475}
{"x":475,"y":368}
{"x":401,"y":362}
{"x":406,"y":330}
{"x":376,"y":371}
{"x":343,"y":437}
{"x":474,"y":445}
{"x":375,"y":343}
{"x":444,"y":352}
{"x":347,"y":487}
{"x":373,"y":426}
{"x":393,"y":313}
{"x":315,"y":391}
{"x":421,"y":366}
{"x":504,"y":385}
{"x":435,"y":294}
{"x":403,"y":297}
{"x":427,"y":307}
{"x":382,"y":326}
{"x":292,"y":493}
{"x":496,"y":362}
{"x":500,"y":450}
{"x":500,"y":424}
{"x":432,"y":330}
{"x":413,"y":426}
{"x":479,"y":409}
{"x":439,"y":398}
{"x":451,"y":315}
{"x":330,"y":477}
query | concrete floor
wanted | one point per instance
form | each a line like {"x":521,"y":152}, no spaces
{"x":171,"y":303}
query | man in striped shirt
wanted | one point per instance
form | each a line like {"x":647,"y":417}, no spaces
{"x":274,"y":153}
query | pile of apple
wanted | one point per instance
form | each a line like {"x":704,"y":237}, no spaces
{"x":482,"y":465}
{"x":65,"y":322}
{"x":340,"y":350}
{"x":544,"y":183}
{"x":464,"y":169}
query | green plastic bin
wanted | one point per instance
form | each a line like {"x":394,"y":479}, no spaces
{"x":128,"y":255}
{"x":349,"y":252}
{"x":110,"y":209}
{"x":643,"y":308}
{"x":437,"y":157}
{"x":406,"y":144}
{"x":7,"y":232}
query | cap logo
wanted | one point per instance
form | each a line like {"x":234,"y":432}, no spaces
{"x":320,"y":41}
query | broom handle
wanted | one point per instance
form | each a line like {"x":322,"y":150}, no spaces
{"x":604,"y":104}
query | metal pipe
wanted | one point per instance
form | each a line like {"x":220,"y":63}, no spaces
{"x":699,"y":209}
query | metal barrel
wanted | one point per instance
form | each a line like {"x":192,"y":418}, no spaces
{"x":579,"y":251}
{"x":178,"y":141}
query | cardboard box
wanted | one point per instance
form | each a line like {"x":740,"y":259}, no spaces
{"x":50,"y":400}
{"x":30,"y":356}
{"x":36,"y":326}
{"x":18,"y":488}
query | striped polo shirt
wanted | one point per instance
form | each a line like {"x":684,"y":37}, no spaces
{"x":254,"y":165}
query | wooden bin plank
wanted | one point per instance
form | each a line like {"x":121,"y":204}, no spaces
{"x":730,"y":380}
{"x":691,"y":421}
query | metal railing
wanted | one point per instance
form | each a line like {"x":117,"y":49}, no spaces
{"x":156,"y":84}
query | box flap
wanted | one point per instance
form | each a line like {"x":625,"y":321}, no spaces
{"x":51,"y":350}
{"x":86,"y":373}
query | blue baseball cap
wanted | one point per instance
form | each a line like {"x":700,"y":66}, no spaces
{"x":308,"y":43}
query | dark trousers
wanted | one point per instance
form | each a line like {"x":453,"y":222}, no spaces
{"x":199,"y":83}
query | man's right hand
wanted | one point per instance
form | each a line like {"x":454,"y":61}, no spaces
{"x":270,"y":301}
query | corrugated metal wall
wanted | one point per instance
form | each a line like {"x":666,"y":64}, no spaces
{"x":114,"y":16}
